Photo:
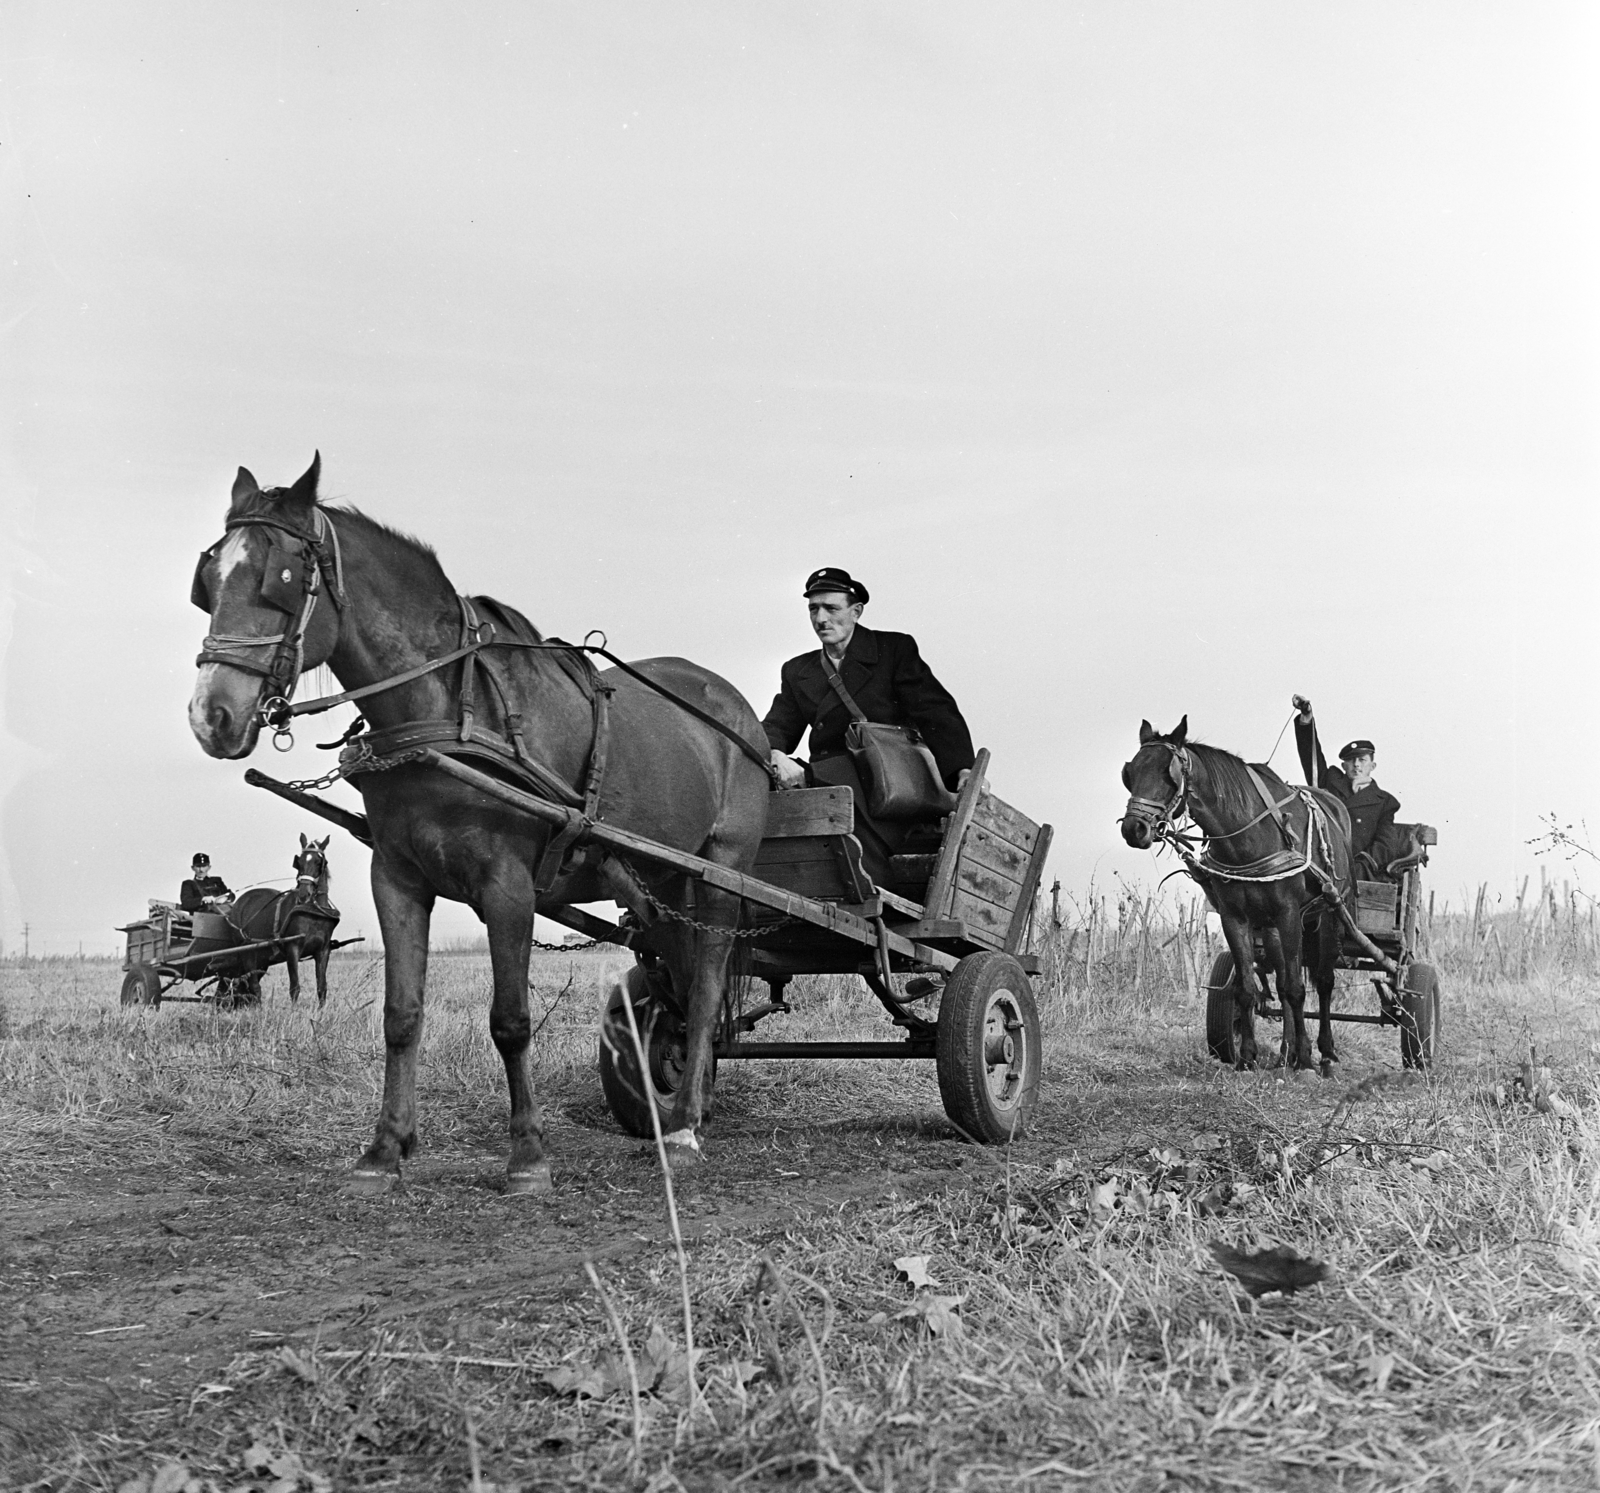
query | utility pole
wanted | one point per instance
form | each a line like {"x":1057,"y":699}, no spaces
{"x":25,"y":928}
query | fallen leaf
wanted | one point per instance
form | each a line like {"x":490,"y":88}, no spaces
{"x":1434,"y":1163}
{"x":915,"y":1270}
{"x":1282,"y":1268}
{"x":1104,"y":1197}
{"x":140,"y":1484}
{"x":257,"y":1457}
{"x":1209,"y":1141}
{"x":939,"y":1312}
{"x":677,"y":1374}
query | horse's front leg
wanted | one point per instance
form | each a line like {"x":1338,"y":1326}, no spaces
{"x":1288,"y":945}
{"x":1236,"y":930}
{"x":320,"y":964}
{"x":405,"y":907}
{"x":508,"y":911}
{"x":708,"y":955}
{"x":291,"y":965}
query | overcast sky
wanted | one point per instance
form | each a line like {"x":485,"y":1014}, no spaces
{"x":1144,"y":359}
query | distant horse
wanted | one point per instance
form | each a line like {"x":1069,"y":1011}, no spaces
{"x":303,"y":915}
{"x":1276,"y":861}
{"x":293,"y":584}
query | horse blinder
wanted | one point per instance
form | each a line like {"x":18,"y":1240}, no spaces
{"x":199,"y":587}
{"x":283,"y":581}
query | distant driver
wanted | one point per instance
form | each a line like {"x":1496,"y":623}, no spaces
{"x":203,"y":892}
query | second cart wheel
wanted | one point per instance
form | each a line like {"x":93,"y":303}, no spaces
{"x":1221,"y":990}
{"x":989,"y":1056}
{"x":1419,"y":1016}
{"x":664,"y":1039}
{"x":141,"y":986}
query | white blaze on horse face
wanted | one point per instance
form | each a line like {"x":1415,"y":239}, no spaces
{"x":222,"y":710}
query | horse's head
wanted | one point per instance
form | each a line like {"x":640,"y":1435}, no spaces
{"x":260,"y":584}
{"x":311,"y":865}
{"x":1157,"y":780}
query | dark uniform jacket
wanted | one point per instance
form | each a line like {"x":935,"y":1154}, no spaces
{"x":1372,"y":810}
{"x":891,"y":684}
{"x":192,"y":896}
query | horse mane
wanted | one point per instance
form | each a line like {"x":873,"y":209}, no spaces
{"x":1230,"y":777}
{"x":418,"y":547}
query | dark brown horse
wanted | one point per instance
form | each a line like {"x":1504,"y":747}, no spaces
{"x":1275,"y":860}
{"x":304,"y":916}
{"x":293,"y":584}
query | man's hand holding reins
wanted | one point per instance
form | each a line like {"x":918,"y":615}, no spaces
{"x":790,"y":773}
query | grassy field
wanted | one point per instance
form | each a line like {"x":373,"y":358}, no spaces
{"x":192,"y":1302}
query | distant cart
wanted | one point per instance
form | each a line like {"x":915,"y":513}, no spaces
{"x":1389,"y":916}
{"x":171,"y":947}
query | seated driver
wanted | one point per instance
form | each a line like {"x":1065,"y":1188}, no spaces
{"x":889,"y":681}
{"x":203,"y":892}
{"x":1374,"y":841}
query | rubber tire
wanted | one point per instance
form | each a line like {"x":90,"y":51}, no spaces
{"x":1219,"y":1007}
{"x":662,"y":1035}
{"x":981,"y":993}
{"x":141,"y":986}
{"x":1419,"y":1016}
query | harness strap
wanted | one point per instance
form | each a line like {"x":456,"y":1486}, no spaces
{"x":1274,"y":809}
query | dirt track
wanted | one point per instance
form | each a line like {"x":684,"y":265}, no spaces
{"x":231,"y":1250}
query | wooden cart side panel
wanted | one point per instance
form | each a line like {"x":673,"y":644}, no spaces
{"x":827,"y":867}
{"x":795,"y":812}
{"x":1378,"y":908}
{"x":990,"y":885}
{"x":987,"y":849}
{"x":936,"y":901}
{"x":985,"y":922}
{"x":1005,"y":823}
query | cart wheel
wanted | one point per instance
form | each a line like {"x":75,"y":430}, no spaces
{"x":1419,"y":1016}
{"x":663,"y":1037}
{"x":1220,"y":993}
{"x":141,"y":986}
{"x":989,"y":1048}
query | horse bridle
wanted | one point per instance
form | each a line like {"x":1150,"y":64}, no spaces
{"x":281,"y":672}
{"x":1159,"y":814}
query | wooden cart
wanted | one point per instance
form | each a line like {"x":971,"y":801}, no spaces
{"x":955,"y":915}
{"x":172,"y":946}
{"x":1389,"y":913}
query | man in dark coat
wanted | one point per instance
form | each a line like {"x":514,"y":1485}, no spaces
{"x":891,"y":684}
{"x":1372,"y":811}
{"x":202,"y":891}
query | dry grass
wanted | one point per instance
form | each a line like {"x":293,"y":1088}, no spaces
{"x":1075,"y":1332}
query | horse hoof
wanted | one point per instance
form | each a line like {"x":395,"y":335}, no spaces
{"x":532,"y":1181}
{"x":683,"y":1150}
{"x":364,"y":1184}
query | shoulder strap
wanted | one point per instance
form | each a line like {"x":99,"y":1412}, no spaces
{"x":839,"y":689}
